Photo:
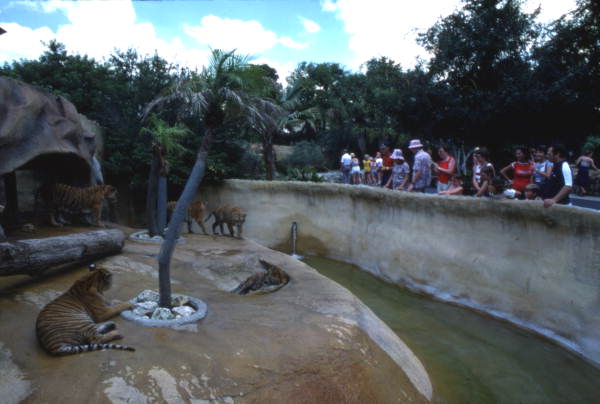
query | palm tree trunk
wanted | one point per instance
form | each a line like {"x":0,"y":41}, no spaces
{"x":161,"y":206}
{"x":269,"y":157}
{"x":179,"y":214}
{"x":151,"y":197}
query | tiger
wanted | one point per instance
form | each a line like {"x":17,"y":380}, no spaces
{"x":195,"y":212}
{"x":233,"y":216}
{"x":65,"y":198}
{"x":274,"y":278}
{"x":75,"y":321}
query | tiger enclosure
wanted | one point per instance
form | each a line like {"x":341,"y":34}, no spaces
{"x":300,"y":202}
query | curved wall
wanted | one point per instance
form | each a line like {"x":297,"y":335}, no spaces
{"x":538,"y":268}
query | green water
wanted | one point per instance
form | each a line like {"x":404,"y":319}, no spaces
{"x":471,"y":358}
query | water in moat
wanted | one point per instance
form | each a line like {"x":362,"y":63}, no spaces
{"x":471,"y":358}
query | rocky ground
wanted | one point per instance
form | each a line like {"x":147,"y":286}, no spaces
{"x":310,"y":342}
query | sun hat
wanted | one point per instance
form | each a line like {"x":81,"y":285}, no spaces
{"x":397,"y":155}
{"x":414,"y":144}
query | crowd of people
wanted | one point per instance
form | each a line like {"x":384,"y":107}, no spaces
{"x":536,"y":174}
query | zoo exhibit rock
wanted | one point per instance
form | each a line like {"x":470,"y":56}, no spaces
{"x":308,"y":342}
{"x":34,"y":122}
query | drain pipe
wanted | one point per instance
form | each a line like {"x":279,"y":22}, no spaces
{"x":295,"y":240}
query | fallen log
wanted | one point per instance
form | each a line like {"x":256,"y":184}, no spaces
{"x":33,"y":257}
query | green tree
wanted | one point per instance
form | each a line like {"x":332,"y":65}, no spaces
{"x":482,"y":53}
{"x":568,"y":76}
{"x":165,"y":141}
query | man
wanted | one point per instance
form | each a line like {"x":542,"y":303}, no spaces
{"x":559,"y":185}
{"x":388,"y":164}
{"x":421,"y":167}
{"x":345,"y":166}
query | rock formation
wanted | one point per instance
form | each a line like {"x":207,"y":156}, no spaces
{"x":34,"y":122}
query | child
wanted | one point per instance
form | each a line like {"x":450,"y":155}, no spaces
{"x":374,"y":172}
{"x":456,"y":187}
{"x":355,"y":172}
{"x":486,"y":175}
{"x":400,"y":172}
{"x":497,"y":189}
{"x":532,"y":192}
{"x":367,"y":170}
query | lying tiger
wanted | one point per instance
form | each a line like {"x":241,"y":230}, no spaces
{"x":65,"y":198}
{"x":274,"y":278}
{"x":69,"y":323}
{"x":195,"y":212}
{"x":233,"y":216}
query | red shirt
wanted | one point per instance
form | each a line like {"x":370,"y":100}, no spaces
{"x":522,"y":174}
{"x":443,"y":177}
{"x":388,"y":161}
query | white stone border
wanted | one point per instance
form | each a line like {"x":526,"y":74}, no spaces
{"x":200,"y":313}
{"x":138,"y":236}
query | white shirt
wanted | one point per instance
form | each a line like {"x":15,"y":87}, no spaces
{"x":346,"y":159}
{"x":567,"y":174}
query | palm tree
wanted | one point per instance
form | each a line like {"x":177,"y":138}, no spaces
{"x":290,"y":117}
{"x":213,"y":95}
{"x":165,"y":141}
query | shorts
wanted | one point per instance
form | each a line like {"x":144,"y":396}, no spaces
{"x":355,"y":170}
{"x":442,"y":187}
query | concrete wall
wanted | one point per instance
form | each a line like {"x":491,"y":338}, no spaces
{"x":538,"y":268}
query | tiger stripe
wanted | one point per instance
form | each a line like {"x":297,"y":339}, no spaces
{"x":73,"y":322}
{"x":75,"y":200}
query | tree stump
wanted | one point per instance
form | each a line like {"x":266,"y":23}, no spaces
{"x":33,"y":257}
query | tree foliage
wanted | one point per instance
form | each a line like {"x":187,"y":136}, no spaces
{"x":496,"y":78}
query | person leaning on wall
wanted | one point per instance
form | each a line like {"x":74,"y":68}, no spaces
{"x":559,"y":185}
{"x":445,"y":169}
{"x":421,"y":167}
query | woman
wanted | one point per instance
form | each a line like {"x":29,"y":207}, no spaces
{"x":582,"y":179}
{"x":522,"y":169}
{"x":355,"y":172}
{"x":543,"y":167}
{"x":480,"y":163}
{"x":400,"y":172}
{"x":445,"y":169}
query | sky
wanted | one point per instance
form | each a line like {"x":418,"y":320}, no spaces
{"x":281,"y":33}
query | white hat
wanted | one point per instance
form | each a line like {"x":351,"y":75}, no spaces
{"x":397,"y":155}
{"x":415,"y":143}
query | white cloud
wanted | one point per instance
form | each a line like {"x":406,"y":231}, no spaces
{"x":390,"y":27}
{"x":22,"y":42}
{"x":310,"y":26}
{"x":329,"y":5}
{"x":96,"y":28}
{"x":550,"y":10}
{"x":290,"y":43}
{"x":245,"y":36}
{"x":387,"y":27}
{"x":225,"y":33}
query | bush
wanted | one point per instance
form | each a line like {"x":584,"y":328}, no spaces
{"x":592,"y":144}
{"x":304,"y":174}
{"x":305,"y":154}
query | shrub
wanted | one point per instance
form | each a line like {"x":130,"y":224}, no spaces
{"x":305,"y":154}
